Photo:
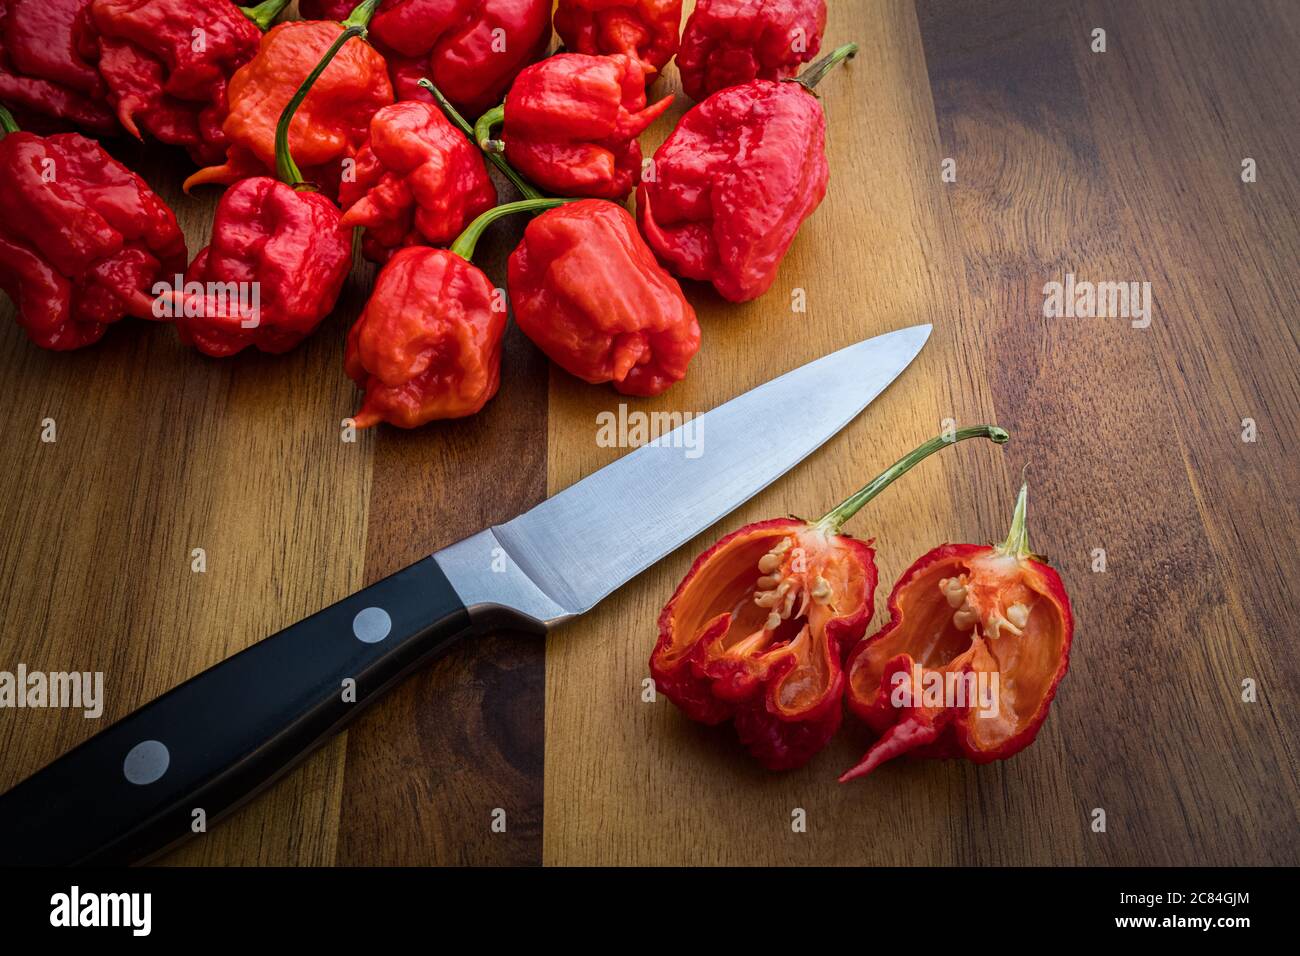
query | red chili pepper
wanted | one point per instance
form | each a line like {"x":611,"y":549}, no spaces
{"x":756,"y":631}
{"x":44,"y":73}
{"x":729,"y":42}
{"x":961,"y":617}
{"x":645,"y":30}
{"x":166,"y":64}
{"x":332,"y":122}
{"x":81,"y":239}
{"x":735,"y":179}
{"x":418,"y":180}
{"x":277,"y":245}
{"x":471,"y":49}
{"x":428,"y":344}
{"x":571,"y":124}
{"x":590,"y":294}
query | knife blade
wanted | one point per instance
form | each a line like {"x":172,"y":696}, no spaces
{"x":206,"y":746}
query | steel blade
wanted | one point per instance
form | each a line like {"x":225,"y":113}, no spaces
{"x":579,"y":545}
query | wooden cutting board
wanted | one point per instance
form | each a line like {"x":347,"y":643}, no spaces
{"x":1117,"y":166}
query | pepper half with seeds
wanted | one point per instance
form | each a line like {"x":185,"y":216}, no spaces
{"x":756,"y":631}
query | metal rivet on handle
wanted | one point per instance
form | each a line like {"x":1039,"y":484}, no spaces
{"x":371,"y":625}
{"x":146,"y":762}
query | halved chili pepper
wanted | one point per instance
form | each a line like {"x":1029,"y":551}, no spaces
{"x":736,"y":179}
{"x":428,"y":344}
{"x":590,"y":294}
{"x":571,"y":124}
{"x":166,"y":64}
{"x":729,"y":42}
{"x":961,"y":616}
{"x":81,"y":239}
{"x":757,"y":630}
{"x":45,"y":73}
{"x":418,"y":181}
{"x":333,"y":121}
{"x":646,"y":30}
{"x":276,"y":240}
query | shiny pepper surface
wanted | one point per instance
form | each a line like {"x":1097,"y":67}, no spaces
{"x":161,"y":79}
{"x":963,"y":616}
{"x":733,"y":183}
{"x":470,"y":49}
{"x":45,"y":73}
{"x":288,"y":245}
{"x":729,"y":42}
{"x":428,"y":344}
{"x":82,"y":239}
{"x":646,"y":30}
{"x":756,"y":633}
{"x":332,"y":122}
{"x":590,"y":294}
{"x":418,"y":181}
{"x":571,"y":124}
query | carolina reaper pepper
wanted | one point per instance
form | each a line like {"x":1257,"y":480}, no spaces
{"x":756,"y":631}
{"x":736,"y":179}
{"x":571,"y":124}
{"x":428,"y":344}
{"x":333,"y":121}
{"x":590,"y":294}
{"x":44,"y":71}
{"x":729,"y":42}
{"x":418,"y":180}
{"x":278,"y":243}
{"x":81,"y":238}
{"x":645,"y":30}
{"x":167,"y":63}
{"x":960,"y":614}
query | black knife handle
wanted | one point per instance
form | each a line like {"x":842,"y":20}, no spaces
{"x":132,"y":790}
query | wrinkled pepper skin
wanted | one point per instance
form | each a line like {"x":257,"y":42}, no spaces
{"x":291,"y":244}
{"x":963,"y":609}
{"x":589,"y":294}
{"x":85,"y":248}
{"x":756,"y":633}
{"x":455,"y":43}
{"x":572,"y":121}
{"x":330,"y":125}
{"x":729,"y":42}
{"x":160,"y":81}
{"x":419,"y":180}
{"x":45,"y":75}
{"x":428,"y":344}
{"x":646,"y":30}
{"x":733,"y":183}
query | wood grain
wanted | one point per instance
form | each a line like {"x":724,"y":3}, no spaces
{"x":1123,"y":165}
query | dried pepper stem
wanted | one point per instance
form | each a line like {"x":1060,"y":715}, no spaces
{"x":264,"y":12}
{"x":7,"y":123}
{"x":526,"y":189}
{"x":354,"y":26}
{"x":834,"y":519}
{"x":483,"y":129}
{"x":810,"y":77}
{"x":467,"y":240}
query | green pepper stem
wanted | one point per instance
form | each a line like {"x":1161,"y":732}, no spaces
{"x":264,"y":12}
{"x":361,"y":14}
{"x":467,"y":240}
{"x":833,"y":520}
{"x":810,"y":77}
{"x":7,"y":123}
{"x":526,"y":189}
{"x":483,"y":129}
{"x":1017,"y":543}
{"x":285,"y":167}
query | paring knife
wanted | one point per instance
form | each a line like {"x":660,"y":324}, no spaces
{"x":132,"y":790}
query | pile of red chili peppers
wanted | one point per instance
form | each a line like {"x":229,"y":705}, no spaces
{"x":345,"y":128}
